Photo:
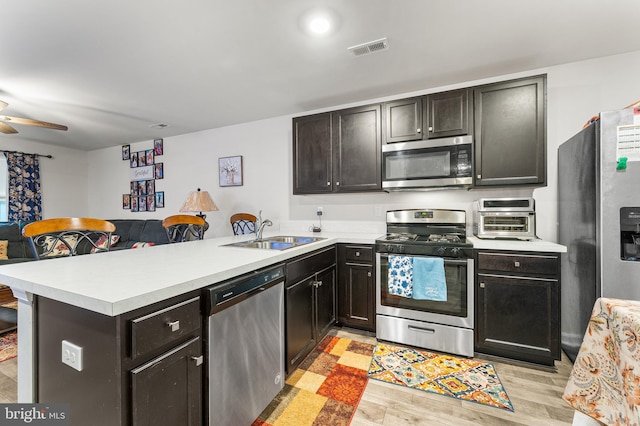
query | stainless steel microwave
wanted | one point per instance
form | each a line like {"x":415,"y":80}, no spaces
{"x":425,"y":164}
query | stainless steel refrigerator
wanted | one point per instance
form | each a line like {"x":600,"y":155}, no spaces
{"x":598,"y":219}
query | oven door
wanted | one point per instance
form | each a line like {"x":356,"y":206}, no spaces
{"x":457,"y":310}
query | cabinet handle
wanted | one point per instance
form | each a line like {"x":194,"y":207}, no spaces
{"x":418,"y":130}
{"x":319,"y":283}
{"x":357,"y":254}
{"x":430,"y":129}
{"x":328,"y":183}
{"x":337,"y":183}
{"x":481,"y":285}
{"x":198,"y":360}
{"x":516,"y":264}
{"x":174,"y":325}
{"x":479,"y":176}
{"x":369,"y":274}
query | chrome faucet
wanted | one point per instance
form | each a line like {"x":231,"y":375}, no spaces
{"x":261,"y":225}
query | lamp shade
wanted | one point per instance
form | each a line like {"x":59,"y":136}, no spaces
{"x":199,"y":201}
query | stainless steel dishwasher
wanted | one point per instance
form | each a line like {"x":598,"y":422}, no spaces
{"x":245,"y":345}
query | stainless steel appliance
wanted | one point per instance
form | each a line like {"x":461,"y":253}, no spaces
{"x":598,"y":216}
{"x":442,"y":325}
{"x":429,"y":163}
{"x":245,"y":346}
{"x":505,"y":218}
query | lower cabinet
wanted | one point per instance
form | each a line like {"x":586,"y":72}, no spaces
{"x":310,"y":303}
{"x":141,"y":368}
{"x":518,"y":305}
{"x":356,"y":286}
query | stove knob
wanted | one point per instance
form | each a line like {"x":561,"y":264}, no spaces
{"x":400,"y":248}
{"x":455,"y":252}
{"x":440,"y":251}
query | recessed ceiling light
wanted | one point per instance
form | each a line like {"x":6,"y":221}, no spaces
{"x":319,"y":22}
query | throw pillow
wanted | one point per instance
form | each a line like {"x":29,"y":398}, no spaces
{"x":102,"y":243}
{"x":4,"y":245}
{"x":60,"y":248}
{"x":141,"y":244}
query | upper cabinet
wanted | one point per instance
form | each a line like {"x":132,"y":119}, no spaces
{"x":337,"y":151}
{"x":510,"y":133}
{"x":437,"y":115}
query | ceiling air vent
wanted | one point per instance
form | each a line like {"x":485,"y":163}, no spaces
{"x":159,"y":126}
{"x":369,"y":47}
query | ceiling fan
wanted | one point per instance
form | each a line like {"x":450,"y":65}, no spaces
{"x":7,"y":129}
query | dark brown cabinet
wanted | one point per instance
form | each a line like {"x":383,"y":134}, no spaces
{"x":337,"y":151}
{"x":148,"y":363}
{"x":438,"y":115}
{"x":510,"y":133}
{"x":356,"y":286}
{"x":518,"y":305}
{"x":310,"y":303}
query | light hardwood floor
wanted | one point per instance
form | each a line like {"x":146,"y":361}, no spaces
{"x":535,"y":392}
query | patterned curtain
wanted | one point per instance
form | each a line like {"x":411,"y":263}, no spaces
{"x":25,"y":197}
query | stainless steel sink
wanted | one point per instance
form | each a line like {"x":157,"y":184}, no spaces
{"x":276,"y":243}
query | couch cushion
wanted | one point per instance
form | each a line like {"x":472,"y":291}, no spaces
{"x":18,"y":246}
{"x":134,"y":230}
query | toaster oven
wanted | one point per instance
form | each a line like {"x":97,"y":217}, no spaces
{"x":505,"y":218}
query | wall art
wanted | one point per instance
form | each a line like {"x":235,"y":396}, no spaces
{"x":230,"y":170}
{"x":144,"y":171}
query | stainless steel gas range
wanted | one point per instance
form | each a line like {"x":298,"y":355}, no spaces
{"x":424,"y":281}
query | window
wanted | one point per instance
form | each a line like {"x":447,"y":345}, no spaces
{"x":4,"y":183}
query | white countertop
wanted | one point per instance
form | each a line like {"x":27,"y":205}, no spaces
{"x":121,"y":281}
{"x":533,"y":245}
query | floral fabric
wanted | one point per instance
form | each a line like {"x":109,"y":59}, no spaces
{"x":605,"y":380}
{"x":400,"y":279}
{"x":25,"y":197}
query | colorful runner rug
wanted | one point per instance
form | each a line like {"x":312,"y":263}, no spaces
{"x":325,"y":389}
{"x":8,"y":346}
{"x":460,"y":378}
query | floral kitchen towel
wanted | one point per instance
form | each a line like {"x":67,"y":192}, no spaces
{"x":400,"y":279}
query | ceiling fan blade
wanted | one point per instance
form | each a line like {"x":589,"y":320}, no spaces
{"x":30,"y":122}
{"x":6,"y":129}
{"x":3,"y":105}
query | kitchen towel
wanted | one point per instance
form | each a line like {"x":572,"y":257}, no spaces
{"x":400,"y":276}
{"x":429,"y":282}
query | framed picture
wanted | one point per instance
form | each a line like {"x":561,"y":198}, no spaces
{"x":230,"y":170}
{"x":134,"y":204}
{"x":151,"y":187}
{"x":149,"y":155}
{"x":142,"y":204}
{"x":157,"y":146}
{"x":126,"y":152}
{"x":160,"y":199}
{"x":126,"y":201}
{"x":142,"y":158}
{"x":134,"y":188}
{"x":151,"y":203}
{"x":159,"y":171}
{"x":133,"y":160}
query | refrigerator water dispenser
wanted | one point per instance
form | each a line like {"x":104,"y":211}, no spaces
{"x":630,"y":233}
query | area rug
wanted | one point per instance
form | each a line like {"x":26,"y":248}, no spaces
{"x":8,"y":341}
{"x":325,"y":389}
{"x":461,"y":378}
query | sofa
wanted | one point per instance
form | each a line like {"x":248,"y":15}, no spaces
{"x":131,"y":233}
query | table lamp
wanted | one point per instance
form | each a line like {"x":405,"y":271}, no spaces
{"x":199,"y":201}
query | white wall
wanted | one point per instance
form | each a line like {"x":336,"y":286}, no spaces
{"x":64,"y":177}
{"x":576,"y":92}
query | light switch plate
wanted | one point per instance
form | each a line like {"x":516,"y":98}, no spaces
{"x":72,"y":355}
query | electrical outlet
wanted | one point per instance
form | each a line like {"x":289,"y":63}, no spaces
{"x":319,"y":211}
{"x":72,"y":355}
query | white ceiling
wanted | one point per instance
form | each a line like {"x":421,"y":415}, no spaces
{"x":110,"y":69}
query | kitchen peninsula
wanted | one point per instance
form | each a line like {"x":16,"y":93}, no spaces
{"x":109,"y":298}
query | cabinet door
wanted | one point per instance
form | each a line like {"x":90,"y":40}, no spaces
{"x":357,"y":152}
{"x":356,"y":296}
{"x":325,"y":301}
{"x":449,"y":114}
{"x":312,"y":167}
{"x":403,"y":120}
{"x":300,"y":326}
{"x":518,"y":317}
{"x":168,"y":390}
{"x":510,"y":133}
